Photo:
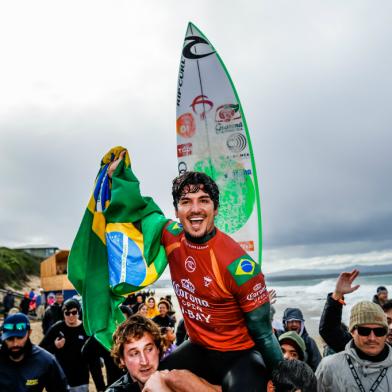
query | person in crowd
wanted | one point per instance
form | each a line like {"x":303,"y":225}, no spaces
{"x":381,"y":296}
{"x":294,"y":376}
{"x":51,"y":299}
{"x":163,"y":319}
{"x":53,"y":313}
{"x":293,"y":346}
{"x":152,"y":309}
{"x":137,"y":348}
{"x":139,"y":301}
{"x":293,"y":320}
{"x":126,"y":310}
{"x":32,"y":293}
{"x":168,"y":339}
{"x":23,"y":365}
{"x":142,"y":309}
{"x":65,"y":340}
{"x":25,"y":304}
{"x":41,"y":303}
{"x":365,"y":363}
{"x":213,"y":277}
{"x":331,"y":330}
{"x":8,"y":302}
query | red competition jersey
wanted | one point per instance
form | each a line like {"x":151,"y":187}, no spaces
{"x":215,"y":283}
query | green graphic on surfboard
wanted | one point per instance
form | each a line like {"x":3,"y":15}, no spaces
{"x":212,"y":137}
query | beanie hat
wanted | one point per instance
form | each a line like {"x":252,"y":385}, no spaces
{"x":71,"y":303}
{"x":293,"y":337}
{"x":366,"y":312}
{"x":381,"y":288}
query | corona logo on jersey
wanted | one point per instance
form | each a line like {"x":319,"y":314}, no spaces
{"x":243,"y":269}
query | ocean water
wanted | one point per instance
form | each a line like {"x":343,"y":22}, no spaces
{"x":307,"y":294}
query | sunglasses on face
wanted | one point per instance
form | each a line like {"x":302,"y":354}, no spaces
{"x":15,"y":327}
{"x":365,"y":331}
{"x":73,"y":312}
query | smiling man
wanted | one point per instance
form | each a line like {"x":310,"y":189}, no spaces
{"x":365,"y":363}
{"x":220,"y":289}
{"x":23,"y":365}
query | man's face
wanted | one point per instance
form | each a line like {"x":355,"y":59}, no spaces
{"x":289,"y":351}
{"x":141,"y":358}
{"x":389,"y":319}
{"x":196,"y":213}
{"x":163,"y":309}
{"x":59,"y":299}
{"x":139,"y":299}
{"x":371,"y":344}
{"x":294,"y":325}
{"x":16,"y":346}
{"x":71,"y":317}
{"x":383,"y":295}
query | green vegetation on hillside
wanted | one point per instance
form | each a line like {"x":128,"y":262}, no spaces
{"x":15,"y":266}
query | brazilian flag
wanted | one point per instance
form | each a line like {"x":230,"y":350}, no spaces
{"x":117,"y":249}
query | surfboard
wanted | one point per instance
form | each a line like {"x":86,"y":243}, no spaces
{"x":213,"y":137}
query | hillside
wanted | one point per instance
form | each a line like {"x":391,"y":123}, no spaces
{"x":16,"y":266}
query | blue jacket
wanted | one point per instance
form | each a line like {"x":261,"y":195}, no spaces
{"x":38,"y":370}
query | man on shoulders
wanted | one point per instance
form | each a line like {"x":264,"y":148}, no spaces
{"x":365,"y":363}
{"x":23,"y":365}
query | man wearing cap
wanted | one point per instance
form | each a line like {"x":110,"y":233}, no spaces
{"x":381,"y":297}
{"x":293,"y":346}
{"x":23,"y":365}
{"x":365,"y":363}
{"x":293,"y":320}
{"x":65,"y":340}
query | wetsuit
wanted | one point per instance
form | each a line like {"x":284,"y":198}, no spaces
{"x":222,"y":295}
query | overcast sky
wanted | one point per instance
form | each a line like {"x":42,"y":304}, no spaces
{"x":314,"y":78}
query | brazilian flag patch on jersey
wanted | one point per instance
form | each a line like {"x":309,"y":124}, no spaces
{"x":174,"y":228}
{"x":243,"y":269}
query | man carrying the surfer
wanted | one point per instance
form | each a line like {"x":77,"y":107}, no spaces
{"x":221,"y":292}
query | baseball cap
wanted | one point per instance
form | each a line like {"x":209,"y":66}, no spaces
{"x":16,"y":325}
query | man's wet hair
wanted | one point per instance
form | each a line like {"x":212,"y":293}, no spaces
{"x":290,"y":375}
{"x":134,"y":328}
{"x":192,"y":182}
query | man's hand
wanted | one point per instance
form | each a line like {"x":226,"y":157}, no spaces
{"x":272,"y":296}
{"x":344,"y":284}
{"x":59,"y":343}
{"x":114,"y":164}
{"x":184,"y":381}
{"x":157,"y":383}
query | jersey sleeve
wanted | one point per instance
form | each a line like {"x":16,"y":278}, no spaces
{"x":246,"y":283}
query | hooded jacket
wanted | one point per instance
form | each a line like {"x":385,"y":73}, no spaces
{"x":313,"y":353}
{"x":334,"y":374}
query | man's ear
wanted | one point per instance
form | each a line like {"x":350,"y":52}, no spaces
{"x":216,"y":212}
{"x":122,"y":363}
{"x":176,"y":212}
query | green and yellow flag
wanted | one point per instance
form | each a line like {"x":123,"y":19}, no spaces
{"x":117,"y":249}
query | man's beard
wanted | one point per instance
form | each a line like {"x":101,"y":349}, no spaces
{"x":16,"y":354}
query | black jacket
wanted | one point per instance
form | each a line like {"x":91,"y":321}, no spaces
{"x":124,"y":384}
{"x":312,"y":351}
{"x":38,"y":370}
{"x":51,"y":316}
{"x":330,"y":327}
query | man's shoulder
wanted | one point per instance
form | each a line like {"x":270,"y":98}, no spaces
{"x":174,"y":228}
{"x":124,"y":384}
{"x":40,"y":353}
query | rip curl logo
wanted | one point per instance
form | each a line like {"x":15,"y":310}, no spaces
{"x":188,"y":285}
{"x":190,"y":264}
{"x":190,"y":50}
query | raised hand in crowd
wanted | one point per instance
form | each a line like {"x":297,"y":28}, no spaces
{"x":344,"y":284}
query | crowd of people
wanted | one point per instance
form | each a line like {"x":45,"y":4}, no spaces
{"x":224,"y":340}
{"x":354,"y":357}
